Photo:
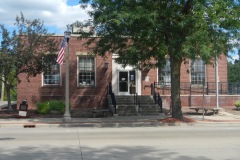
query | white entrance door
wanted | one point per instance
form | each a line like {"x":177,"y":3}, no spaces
{"x":125,"y":80}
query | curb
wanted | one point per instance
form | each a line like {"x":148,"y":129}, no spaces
{"x":91,"y":125}
{"x":113,"y":124}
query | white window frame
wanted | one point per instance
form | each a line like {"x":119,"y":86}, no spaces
{"x":54,"y":84}
{"x":78,"y":71}
{"x":200,"y":72}
{"x":165,"y":80}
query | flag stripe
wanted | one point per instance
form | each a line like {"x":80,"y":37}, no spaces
{"x":61,"y":52}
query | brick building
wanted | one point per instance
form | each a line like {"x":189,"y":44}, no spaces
{"x":90,"y":76}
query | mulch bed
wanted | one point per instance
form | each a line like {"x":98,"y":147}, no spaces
{"x":175,"y":120}
{"x":30,"y":114}
{"x":34,"y":114}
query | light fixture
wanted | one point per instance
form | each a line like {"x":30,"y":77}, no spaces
{"x":67,"y":34}
{"x":106,"y":65}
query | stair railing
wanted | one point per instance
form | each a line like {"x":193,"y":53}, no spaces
{"x":112,"y":95}
{"x":159,"y":101}
{"x":137,"y":101}
{"x":156,"y":96}
{"x":104,"y":98}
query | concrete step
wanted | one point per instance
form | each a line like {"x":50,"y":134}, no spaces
{"x":127,"y":110}
{"x":126,"y":107}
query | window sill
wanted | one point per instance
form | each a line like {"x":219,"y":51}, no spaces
{"x":86,"y":86}
{"x":51,"y":85}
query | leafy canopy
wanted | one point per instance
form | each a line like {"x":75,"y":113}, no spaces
{"x":23,"y":51}
{"x":142,"y":30}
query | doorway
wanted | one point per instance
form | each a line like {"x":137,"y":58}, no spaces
{"x":126,"y":82}
{"x":123,"y":82}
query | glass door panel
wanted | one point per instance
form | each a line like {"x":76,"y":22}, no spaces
{"x":123,"y":81}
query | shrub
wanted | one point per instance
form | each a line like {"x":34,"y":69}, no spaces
{"x":56,"y":105}
{"x":52,"y":105}
{"x":43,"y":107}
{"x":237,"y":104}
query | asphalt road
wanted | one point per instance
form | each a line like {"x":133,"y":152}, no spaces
{"x":143,"y":143}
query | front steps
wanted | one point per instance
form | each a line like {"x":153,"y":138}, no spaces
{"x":125,"y":106}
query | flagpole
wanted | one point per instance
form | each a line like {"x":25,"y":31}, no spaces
{"x":67,"y":116}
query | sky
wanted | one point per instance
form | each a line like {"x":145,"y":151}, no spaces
{"x":55,"y":14}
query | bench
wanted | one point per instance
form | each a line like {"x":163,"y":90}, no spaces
{"x":214,"y":110}
{"x":100,"y":110}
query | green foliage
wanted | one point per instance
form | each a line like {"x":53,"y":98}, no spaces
{"x":237,"y":104}
{"x":234,"y":71}
{"x":159,"y":28}
{"x":140,"y":30}
{"x":43,"y":107}
{"x":52,"y":105}
{"x":56,"y":105}
{"x":22,"y":51}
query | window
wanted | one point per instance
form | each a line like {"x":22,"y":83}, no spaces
{"x":86,"y":73}
{"x":198,"y":72}
{"x":52,"y":75}
{"x":165,"y":74}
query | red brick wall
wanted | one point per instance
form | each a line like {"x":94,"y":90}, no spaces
{"x":88,"y":97}
{"x":150,"y":75}
{"x":29,"y":90}
{"x":196,"y":98}
{"x":80,"y":97}
{"x":209,"y":100}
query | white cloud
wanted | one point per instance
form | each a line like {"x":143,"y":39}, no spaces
{"x":233,"y":55}
{"x":53,"y":12}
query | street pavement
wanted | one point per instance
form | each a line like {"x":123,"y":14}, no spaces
{"x":127,"y":143}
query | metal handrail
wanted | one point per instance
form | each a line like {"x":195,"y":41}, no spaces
{"x":110,"y":92}
{"x":156,"y":96}
{"x":159,"y":102}
{"x":136,"y":101}
{"x":224,"y":88}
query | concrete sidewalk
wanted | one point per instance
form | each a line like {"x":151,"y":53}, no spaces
{"x":117,"y":121}
{"x":223,"y":118}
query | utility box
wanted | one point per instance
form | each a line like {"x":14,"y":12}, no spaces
{"x":23,"y":109}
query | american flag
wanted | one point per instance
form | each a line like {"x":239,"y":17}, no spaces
{"x":61,"y":52}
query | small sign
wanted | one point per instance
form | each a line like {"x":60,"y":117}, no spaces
{"x":147,"y":79}
{"x":132,"y":77}
{"x":23,"y":113}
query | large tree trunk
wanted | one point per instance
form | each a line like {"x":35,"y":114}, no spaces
{"x":175,"y":89}
{"x":8,"y":91}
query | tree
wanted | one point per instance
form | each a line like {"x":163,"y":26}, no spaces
{"x":233,"y":70}
{"x":141,"y":30}
{"x":22,"y":51}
